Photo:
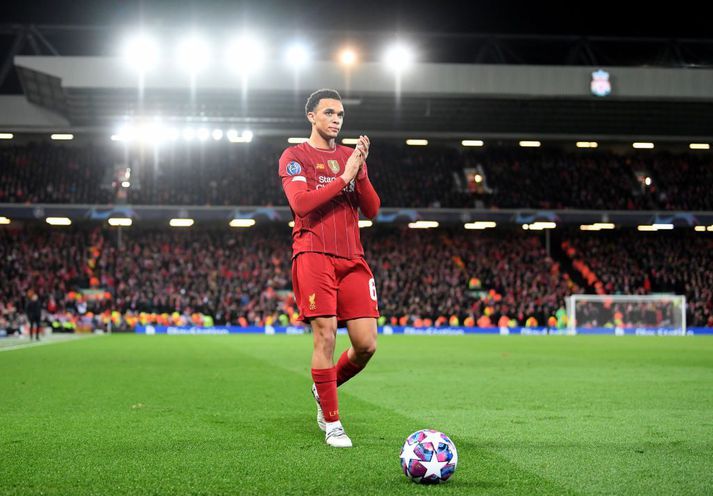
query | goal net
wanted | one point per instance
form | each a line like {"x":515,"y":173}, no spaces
{"x":627,"y":314}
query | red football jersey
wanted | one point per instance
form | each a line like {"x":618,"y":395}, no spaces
{"x":325,"y":209}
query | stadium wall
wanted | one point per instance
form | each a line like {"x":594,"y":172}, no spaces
{"x":407,"y":330}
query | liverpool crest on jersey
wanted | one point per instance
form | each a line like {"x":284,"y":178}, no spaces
{"x":333,"y":165}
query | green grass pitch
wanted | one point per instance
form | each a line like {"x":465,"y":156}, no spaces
{"x":233,"y":415}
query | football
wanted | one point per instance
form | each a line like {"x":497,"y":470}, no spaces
{"x":429,"y":457}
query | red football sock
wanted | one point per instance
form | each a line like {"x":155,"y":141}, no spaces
{"x":326,"y":382}
{"x":346,"y":369}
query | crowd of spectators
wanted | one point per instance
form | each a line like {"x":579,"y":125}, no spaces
{"x":489,"y":278}
{"x":433,"y":176}
{"x":243,"y":277}
{"x":555,"y":180}
{"x":424,"y":277}
{"x":635,"y":263}
{"x":48,"y":173}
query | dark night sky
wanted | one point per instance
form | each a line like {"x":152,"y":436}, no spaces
{"x":582,"y":17}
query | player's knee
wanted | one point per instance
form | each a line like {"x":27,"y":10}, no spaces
{"x":366,"y":350}
{"x":325,"y":334}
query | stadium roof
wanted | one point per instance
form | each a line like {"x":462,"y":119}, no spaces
{"x":435,"y":99}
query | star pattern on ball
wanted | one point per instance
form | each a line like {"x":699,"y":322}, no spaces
{"x":420,"y":457}
{"x":407,"y":452}
{"x":435,"y":439}
{"x":433,"y":467}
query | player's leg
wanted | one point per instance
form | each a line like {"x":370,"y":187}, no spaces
{"x":324,"y":374}
{"x":314,"y":285}
{"x":362,"y":334}
{"x":358,"y":306}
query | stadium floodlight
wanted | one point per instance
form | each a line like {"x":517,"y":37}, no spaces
{"x":6,"y":136}
{"x":125,"y":184}
{"x":4,"y":220}
{"x":242,"y":223}
{"x":120,"y":221}
{"x":647,"y":181}
{"x":699,"y":146}
{"x":587,"y":144}
{"x":297,"y":55}
{"x":125,"y":133}
{"x":480,"y":224}
{"x":365,"y":223}
{"x":399,"y":57}
{"x":203,"y":134}
{"x":245,"y":54}
{"x":193,"y":54}
{"x":296,"y":141}
{"x":423,"y":224}
{"x":347,"y":57}
{"x":472,"y":143}
{"x":180,"y":222}
{"x":643,"y":145}
{"x":188,"y":134}
{"x":597,"y":226}
{"x":62,"y":136}
{"x":152,"y":133}
{"x":58,"y":221}
{"x":655,"y":227}
{"x":530,"y":144}
{"x":141,"y":53}
{"x":710,"y":228}
{"x":244,"y":137}
{"x":416,"y":142}
{"x":350,"y":141}
{"x":700,"y":228}
{"x":478,"y":178}
{"x":217,"y":134}
{"x":171,"y":134}
{"x":539,"y":226}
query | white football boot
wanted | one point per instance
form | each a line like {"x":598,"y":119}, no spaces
{"x":320,"y":414}
{"x":336,"y":437}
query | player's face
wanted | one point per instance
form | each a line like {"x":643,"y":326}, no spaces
{"x":328,"y":117}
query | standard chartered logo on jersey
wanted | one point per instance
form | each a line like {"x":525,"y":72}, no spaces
{"x":324,"y":180}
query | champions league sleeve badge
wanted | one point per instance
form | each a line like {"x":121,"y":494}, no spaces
{"x":293,"y":168}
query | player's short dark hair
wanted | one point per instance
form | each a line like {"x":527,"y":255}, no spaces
{"x":315,"y":97}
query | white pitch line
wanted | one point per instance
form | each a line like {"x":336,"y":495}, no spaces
{"x":46,"y":341}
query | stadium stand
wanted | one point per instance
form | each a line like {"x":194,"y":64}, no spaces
{"x":432,"y":277}
{"x":224,"y":174}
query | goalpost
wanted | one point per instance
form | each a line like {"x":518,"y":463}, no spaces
{"x":627,"y":314}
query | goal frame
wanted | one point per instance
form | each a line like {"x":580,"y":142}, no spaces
{"x":571,"y":302}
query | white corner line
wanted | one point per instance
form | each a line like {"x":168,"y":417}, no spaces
{"x":45,"y":342}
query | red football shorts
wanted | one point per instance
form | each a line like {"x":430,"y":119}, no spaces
{"x":326,"y":285}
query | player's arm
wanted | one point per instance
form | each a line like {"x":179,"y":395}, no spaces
{"x":369,"y":201}
{"x":302,"y":200}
